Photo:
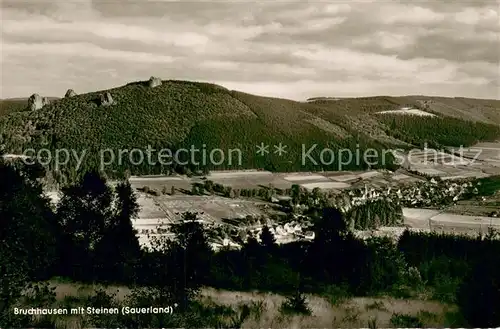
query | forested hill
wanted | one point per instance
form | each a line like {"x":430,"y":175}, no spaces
{"x":473,"y":109}
{"x":180,"y":113}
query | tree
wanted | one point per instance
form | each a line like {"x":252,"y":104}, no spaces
{"x":28,"y":234}
{"x":385,"y":266}
{"x":175,"y":269}
{"x":118,"y":252}
{"x":209,"y":186}
{"x":316,"y":194}
{"x":206,"y":171}
{"x":251,"y":261}
{"x":267,"y":238}
{"x":330,"y":227}
{"x":190,"y":255}
{"x":295,"y":193}
{"x":334,"y":242}
{"x":84,"y":212}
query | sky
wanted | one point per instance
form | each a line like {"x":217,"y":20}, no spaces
{"x":291,"y":49}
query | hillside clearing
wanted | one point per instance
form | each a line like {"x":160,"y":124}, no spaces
{"x":408,"y":112}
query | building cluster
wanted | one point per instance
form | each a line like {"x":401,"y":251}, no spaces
{"x":226,"y":235}
{"x":431,"y":193}
{"x":233,"y":233}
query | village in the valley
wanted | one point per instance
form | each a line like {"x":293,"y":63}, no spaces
{"x":427,"y":195}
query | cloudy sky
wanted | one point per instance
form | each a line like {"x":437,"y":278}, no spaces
{"x":292,"y":49}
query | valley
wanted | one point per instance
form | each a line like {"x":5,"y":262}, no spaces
{"x":257,"y":230}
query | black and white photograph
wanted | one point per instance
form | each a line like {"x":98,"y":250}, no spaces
{"x":249,"y":164}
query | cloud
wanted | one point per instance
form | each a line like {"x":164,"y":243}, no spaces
{"x":75,"y":50}
{"x":286,"y":49}
{"x":410,"y":15}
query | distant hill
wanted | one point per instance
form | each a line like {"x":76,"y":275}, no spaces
{"x":10,"y":105}
{"x":179,"y":114}
{"x":315,"y":99}
{"x":482,"y":110}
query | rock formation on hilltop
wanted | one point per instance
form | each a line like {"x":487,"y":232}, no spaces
{"x":154,"y":82}
{"x":36,"y":102}
{"x":70,"y":93}
{"x":106,"y":99}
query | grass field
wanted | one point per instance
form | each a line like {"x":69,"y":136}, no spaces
{"x":328,"y":311}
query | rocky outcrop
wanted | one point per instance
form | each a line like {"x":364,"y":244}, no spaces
{"x":70,"y":93}
{"x":154,"y":82}
{"x":106,"y":99}
{"x":36,"y":102}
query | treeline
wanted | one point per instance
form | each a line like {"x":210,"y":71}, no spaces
{"x":89,"y":237}
{"x":488,"y":186}
{"x":438,"y":132}
{"x":459,"y":267}
{"x":376,"y":213}
{"x":8,"y":106}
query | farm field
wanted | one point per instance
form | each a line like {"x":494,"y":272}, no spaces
{"x":425,"y":162}
{"x":211,"y":208}
{"x":474,"y":208}
{"x":488,"y":152}
{"x":438,"y":221}
{"x":256,"y":179}
{"x":480,"y":160}
{"x":448,"y":167}
{"x":325,"y":185}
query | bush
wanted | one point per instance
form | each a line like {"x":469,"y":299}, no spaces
{"x":295,"y":304}
{"x":336,"y":295}
{"x":102,"y":299}
{"x":40,"y":295}
{"x":405,"y":321}
{"x":413,"y":277}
